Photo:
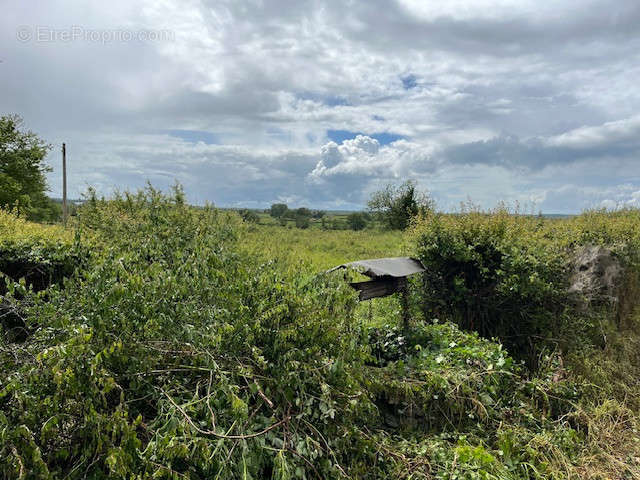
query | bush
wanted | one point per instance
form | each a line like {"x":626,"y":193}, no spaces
{"x":302,"y":221}
{"x":396,"y":206}
{"x":249,"y":216}
{"x":438,"y":377}
{"x":357,"y":221}
{"x":171,"y":354}
{"x":40,"y":255}
{"x":507,"y":275}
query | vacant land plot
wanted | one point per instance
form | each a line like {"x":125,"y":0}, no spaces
{"x":186,"y":343}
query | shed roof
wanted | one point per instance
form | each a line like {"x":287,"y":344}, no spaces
{"x":380,"y":267}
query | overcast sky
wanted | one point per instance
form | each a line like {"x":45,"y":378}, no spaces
{"x":319,"y":103}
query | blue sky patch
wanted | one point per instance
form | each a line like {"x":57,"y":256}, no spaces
{"x":329,"y":100}
{"x":409,"y":81}
{"x":335,"y":101}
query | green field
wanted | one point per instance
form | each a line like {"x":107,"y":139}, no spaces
{"x":319,"y":250}
{"x":331,"y":220}
{"x":155,"y":340}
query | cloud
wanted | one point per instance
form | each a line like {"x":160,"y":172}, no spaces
{"x":619,"y":133}
{"x":249,"y":102}
{"x":593,"y":144}
{"x":591,"y":196}
{"x":364,"y":157}
{"x":625,"y":197}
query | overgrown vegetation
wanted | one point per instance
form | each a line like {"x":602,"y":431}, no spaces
{"x":188,"y":343}
{"x":33,"y":255}
{"x":507,"y":275}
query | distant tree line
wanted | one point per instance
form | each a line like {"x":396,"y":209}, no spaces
{"x":301,"y":216}
{"x":394,"y":207}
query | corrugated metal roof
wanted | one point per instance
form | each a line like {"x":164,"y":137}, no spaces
{"x":380,"y":267}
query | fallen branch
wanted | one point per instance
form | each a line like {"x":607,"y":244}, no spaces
{"x":219,"y":435}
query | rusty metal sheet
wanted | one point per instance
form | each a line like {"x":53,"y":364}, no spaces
{"x":385,"y":267}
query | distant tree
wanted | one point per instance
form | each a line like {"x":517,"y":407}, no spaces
{"x":23,"y":182}
{"x":303,"y":212}
{"x":249,"y":216}
{"x":395,"y":206}
{"x":303,"y":221}
{"x":356,"y":221}
{"x":337,"y":224}
{"x":278,"y":210}
{"x":318,"y":214}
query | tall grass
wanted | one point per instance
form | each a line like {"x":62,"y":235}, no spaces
{"x":318,"y":250}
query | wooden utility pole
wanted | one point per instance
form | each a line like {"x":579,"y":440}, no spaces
{"x":65,"y":212}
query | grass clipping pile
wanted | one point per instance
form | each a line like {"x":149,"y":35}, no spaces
{"x":171,"y":354}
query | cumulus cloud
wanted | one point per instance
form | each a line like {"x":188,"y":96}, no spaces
{"x":494,"y":99}
{"x":357,"y":156}
{"x":357,"y":165}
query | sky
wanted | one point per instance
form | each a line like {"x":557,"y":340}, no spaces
{"x":320,"y":103}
